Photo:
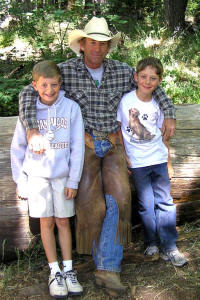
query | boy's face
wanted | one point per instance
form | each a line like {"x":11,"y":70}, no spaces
{"x":48,"y":89}
{"x":147,"y":81}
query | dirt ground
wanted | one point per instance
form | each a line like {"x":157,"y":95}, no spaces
{"x":145,"y":280}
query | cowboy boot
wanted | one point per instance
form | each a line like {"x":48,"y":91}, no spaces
{"x":111,"y":281}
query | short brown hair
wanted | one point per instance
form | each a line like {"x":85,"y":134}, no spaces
{"x":46,"y":69}
{"x":152,"y":62}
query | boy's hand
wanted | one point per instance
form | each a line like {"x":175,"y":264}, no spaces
{"x":170,"y":169}
{"x":168,"y":128}
{"x":70,"y":193}
{"x":36,"y":141}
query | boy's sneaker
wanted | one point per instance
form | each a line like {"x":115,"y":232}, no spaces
{"x":57,"y":286}
{"x":176,"y":258}
{"x":73,"y":286}
{"x":151,"y":250}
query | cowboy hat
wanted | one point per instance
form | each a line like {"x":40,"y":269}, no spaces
{"x":96,"y":29}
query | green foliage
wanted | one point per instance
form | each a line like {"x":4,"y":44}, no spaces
{"x":180,"y":56}
{"x":193,"y":8}
{"x":143,"y":34}
{"x":6,"y":38}
{"x":9,"y":91}
{"x":45,"y":28}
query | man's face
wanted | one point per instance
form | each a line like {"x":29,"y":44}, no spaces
{"x":94,"y":52}
{"x":48,"y":89}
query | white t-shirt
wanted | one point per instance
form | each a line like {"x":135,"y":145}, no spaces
{"x":96,"y":74}
{"x":140,"y":123}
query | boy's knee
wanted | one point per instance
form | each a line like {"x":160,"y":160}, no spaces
{"x":47,"y":223}
{"x":62,"y":222}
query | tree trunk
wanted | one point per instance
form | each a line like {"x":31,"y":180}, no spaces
{"x":175,"y":13}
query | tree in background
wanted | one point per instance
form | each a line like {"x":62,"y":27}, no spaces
{"x":175,"y":13}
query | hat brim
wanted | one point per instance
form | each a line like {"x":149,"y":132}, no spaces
{"x":76,"y":35}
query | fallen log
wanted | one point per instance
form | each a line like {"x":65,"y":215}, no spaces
{"x":17,"y":229}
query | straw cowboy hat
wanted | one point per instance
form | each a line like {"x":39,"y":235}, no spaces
{"x":96,"y":29}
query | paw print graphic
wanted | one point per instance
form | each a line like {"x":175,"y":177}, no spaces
{"x":145,"y":117}
{"x":128,"y":129}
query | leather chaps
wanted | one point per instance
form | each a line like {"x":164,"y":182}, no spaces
{"x":107,"y":175}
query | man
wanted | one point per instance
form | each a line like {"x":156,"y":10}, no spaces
{"x":103,"y":203}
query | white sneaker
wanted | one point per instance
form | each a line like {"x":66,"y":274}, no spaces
{"x":57,"y":286}
{"x":73,"y":286}
{"x":176,"y":258}
{"x":151,"y":250}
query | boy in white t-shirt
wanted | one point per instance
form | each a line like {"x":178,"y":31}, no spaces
{"x":147,"y":155}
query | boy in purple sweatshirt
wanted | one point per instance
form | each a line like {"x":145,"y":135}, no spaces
{"x":50,"y":181}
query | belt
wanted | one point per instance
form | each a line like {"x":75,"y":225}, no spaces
{"x":113,"y":137}
{"x":99,"y":135}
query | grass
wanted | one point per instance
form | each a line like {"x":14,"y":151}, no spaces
{"x":28,"y":274}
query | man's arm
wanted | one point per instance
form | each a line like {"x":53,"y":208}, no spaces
{"x":27,"y":107}
{"x":166,"y":104}
{"x":27,"y":115}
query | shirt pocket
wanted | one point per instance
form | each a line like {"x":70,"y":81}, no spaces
{"x":81,"y":98}
{"x":114,"y":98}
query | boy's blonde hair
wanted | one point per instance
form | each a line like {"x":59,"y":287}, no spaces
{"x":46,"y":69}
{"x":150,"y":62}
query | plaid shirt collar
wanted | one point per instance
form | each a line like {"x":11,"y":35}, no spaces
{"x":81,"y":68}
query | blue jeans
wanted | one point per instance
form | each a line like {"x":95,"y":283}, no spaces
{"x":109,"y":253}
{"x":156,"y":207}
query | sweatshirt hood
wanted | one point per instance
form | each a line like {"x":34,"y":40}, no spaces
{"x":42,"y":106}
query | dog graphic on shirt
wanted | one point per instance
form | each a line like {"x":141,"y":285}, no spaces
{"x":136,"y":126}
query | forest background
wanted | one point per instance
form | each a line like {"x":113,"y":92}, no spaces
{"x":31,"y":31}
{"x":35,"y":30}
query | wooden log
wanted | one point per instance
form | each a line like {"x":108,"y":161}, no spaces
{"x":16,"y":228}
{"x":185,"y":156}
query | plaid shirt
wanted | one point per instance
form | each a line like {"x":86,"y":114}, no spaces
{"x":98,"y":105}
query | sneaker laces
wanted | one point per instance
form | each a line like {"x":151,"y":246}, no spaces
{"x":72,"y":276}
{"x":176,"y":254}
{"x":151,"y":250}
{"x":59,"y":279}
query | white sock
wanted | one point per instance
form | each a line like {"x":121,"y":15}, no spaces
{"x":67,"y":265}
{"x":54,"y":267}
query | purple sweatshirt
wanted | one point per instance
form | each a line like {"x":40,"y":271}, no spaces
{"x":61,"y":125}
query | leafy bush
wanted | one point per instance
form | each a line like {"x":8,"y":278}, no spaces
{"x":180,"y":56}
{"x":44,"y":28}
{"x":9,"y":91}
{"x":143,"y":34}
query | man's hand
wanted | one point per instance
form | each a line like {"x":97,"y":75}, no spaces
{"x":70,"y":193}
{"x":168,"y":128}
{"x":36,"y":141}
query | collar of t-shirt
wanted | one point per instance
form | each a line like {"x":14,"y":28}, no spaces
{"x":96,"y":74}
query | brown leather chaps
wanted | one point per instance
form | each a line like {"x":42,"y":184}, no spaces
{"x":107,"y":175}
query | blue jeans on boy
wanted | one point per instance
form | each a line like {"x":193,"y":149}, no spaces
{"x":156,"y":207}
{"x":109,"y":253}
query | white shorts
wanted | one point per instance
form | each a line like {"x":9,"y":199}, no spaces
{"x":46,"y":198}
